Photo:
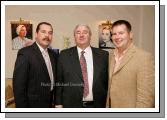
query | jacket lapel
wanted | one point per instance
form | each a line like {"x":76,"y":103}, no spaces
{"x":96,"y":64}
{"x":52,"y":60}
{"x":126,"y":58}
{"x":40,"y":58}
{"x":111,"y":65}
{"x":75,"y":62}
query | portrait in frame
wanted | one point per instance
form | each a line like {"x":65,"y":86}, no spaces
{"x":21,"y":34}
{"x":105,"y":40}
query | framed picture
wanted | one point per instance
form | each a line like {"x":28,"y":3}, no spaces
{"x":21,"y":34}
{"x":105,"y":40}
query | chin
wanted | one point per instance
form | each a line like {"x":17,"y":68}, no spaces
{"x":82,"y":43}
{"x":46,"y":43}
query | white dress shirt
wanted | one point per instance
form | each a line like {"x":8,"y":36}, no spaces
{"x":89,"y":61}
{"x":48,"y":64}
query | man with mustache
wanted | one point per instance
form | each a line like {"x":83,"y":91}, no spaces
{"x":34,"y":72}
{"x":82,"y":75}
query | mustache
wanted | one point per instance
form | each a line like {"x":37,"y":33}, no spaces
{"x":46,"y":38}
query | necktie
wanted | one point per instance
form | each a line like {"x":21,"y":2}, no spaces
{"x":49,"y":67}
{"x":84,"y":74}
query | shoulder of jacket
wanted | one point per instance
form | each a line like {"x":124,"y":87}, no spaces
{"x":25,"y":49}
{"x":99,"y":50}
{"x":142,"y":52}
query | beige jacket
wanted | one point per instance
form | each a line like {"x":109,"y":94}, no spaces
{"x":132,"y":85}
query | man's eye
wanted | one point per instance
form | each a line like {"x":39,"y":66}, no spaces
{"x":85,"y":32}
{"x":50,"y":33}
{"x":78,"y":32}
{"x":121,"y":33}
{"x":43,"y":31}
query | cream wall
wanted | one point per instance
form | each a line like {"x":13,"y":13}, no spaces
{"x":65,"y":18}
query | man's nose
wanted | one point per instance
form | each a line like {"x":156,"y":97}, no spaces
{"x":117,"y":36}
{"x":46,"y":34}
{"x":81,"y":35}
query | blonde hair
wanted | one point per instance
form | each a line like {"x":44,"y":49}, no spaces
{"x":19,"y":28}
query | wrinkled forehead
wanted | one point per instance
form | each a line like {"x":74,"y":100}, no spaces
{"x":82,"y":27}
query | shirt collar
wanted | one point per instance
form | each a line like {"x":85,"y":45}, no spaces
{"x":123,"y":53}
{"x":41,"y":48}
{"x":87,"y":50}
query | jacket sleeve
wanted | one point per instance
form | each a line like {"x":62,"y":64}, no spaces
{"x":20,"y":77}
{"x":145,"y":83}
{"x":109,"y":82}
{"x":59,"y":81}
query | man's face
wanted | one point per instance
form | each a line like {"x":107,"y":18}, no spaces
{"x":121,"y":36}
{"x":82,"y":36}
{"x":44,"y":35}
{"x":23,"y":32}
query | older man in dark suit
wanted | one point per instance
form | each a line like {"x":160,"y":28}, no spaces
{"x":82,"y":75}
{"x":34,"y":72}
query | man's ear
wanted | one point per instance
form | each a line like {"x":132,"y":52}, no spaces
{"x":131,"y":35}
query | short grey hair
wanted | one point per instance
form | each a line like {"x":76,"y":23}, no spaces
{"x":19,"y":28}
{"x":90,"y":32}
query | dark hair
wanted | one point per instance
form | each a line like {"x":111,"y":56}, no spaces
{"x":41,"y":23}
{"x":120,"y":22}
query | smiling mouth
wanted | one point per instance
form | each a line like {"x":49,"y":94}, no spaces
{"x":117,"y":41}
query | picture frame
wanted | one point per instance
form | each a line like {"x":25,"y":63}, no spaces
{"x":105,"y":40}
{"x":21,"y":34}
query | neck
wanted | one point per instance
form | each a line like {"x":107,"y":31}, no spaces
{"x":122,"y":49}
{"x":44,"y":47}
{"x":22,"y":37}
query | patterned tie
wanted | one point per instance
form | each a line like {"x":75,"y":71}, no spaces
{"x":84,"y":74}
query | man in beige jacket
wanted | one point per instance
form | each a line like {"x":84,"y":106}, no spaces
{"x":131,"y":71}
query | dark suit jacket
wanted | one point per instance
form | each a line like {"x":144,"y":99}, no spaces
{"x":69,"y":85}
{"x":31,"y":81}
